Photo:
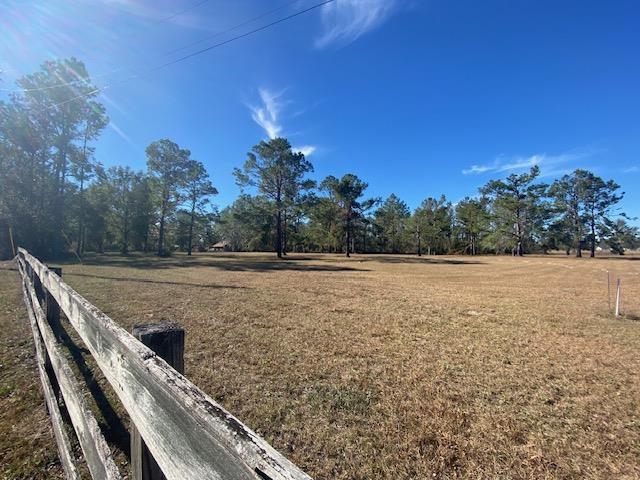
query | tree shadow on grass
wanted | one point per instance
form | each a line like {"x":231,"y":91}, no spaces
{"x":620,"y":258}
{"x":113,"y":427}
{"x":422,"y":260}
{"x":146,"y":280}
{"x":235,"y":263}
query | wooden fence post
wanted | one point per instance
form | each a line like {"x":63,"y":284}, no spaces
{"x":167,"y":341}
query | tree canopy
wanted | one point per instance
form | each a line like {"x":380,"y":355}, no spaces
{"x":278,"y":174}
{"x":55,"y":198}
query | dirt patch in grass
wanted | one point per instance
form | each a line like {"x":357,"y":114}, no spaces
{"x":404,"y":367}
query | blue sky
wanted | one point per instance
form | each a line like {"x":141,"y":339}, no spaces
{"x":417,"y":98}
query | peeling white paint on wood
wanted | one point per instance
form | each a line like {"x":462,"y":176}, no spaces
{"x":96,"y":451}
{"x":62,"y":440}
{"x":188,"y":433}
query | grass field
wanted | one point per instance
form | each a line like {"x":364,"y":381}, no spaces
{"x":404,"y":367}
{"x":27,"y":448}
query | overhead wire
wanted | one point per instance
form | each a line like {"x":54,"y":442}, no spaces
{"x":235,"y":27}
{"x":82,"y":81}
{"x":238,"y":37}
{"x":117,"y":70}
{"x":191,"y":55}
{"x":182,"y":12}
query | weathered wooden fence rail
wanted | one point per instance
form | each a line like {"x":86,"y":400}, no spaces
{"x":189,"y":435}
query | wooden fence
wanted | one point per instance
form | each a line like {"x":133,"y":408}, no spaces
{"x":189,"y":435}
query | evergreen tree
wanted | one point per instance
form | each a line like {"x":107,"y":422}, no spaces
{"x":345,"y":194}
{"x":392,"y":218}
{"x":198,"y":190}
{"x":516,"y":212}
{"x":167,"y":164}
{"x":279,"y":176}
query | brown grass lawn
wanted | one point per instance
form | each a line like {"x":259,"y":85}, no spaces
{"x":27,"y":447}
{"x":404,"y":367}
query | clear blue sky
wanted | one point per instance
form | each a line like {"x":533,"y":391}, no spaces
{"x":417,"y":98}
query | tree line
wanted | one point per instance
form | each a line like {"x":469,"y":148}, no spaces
{"x":55,"y":198}
{"x":515,"y":215}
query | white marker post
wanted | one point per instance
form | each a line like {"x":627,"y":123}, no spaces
{"x":618,"y":299}
{"x":609,"y":290}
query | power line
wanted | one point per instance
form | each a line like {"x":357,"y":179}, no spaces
{"x":82,"y":81}
{"x":238,"y":37}
{"x":235,"y":27}
{"x":182,"y":12}
{"x":194,"y":54}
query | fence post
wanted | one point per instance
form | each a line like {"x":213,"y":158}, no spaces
{"x":167,"y":341}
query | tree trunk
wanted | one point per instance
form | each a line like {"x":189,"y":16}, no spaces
{"x":347,"y":238}
{"x":279,"y":233}
{"x":80,"y":215}
{"x":593,"y":238}
{"x":364,"y":240}
{"x":125,"y":233}
{"x":519,"y":233}
{"x":285,"y":239}
{"x":58,"y":212}
{"x":80,"y":245}
{"x":193,"y":212}
{"x":161,"y":230}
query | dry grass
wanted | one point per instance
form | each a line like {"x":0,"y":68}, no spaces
{"x":400,"y":367}
{"x":27,"y":448}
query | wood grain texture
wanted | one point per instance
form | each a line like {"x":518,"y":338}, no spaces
{"x":188,"y":433}
{"x":167,"y":341}
{"x":96,"y":451}
{"x":62,"y":440}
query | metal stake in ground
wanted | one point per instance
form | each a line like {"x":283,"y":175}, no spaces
{"x":618,"y":299}
{"x":167,"y":341}
{"x":609,"y":290}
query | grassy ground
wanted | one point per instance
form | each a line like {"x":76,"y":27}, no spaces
{"x":27,"y":448}
{"x":404,"y":367}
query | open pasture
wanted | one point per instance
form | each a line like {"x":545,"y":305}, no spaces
{"x":400,"y":366}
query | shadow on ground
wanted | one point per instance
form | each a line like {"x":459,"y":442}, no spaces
{"x":422,"y":260}
{"x":619,"y":258}
{"x":146,"y":280}
{"x":219,"y":262}
{"x":113,"y":428}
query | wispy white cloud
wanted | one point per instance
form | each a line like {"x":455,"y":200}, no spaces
{"x":267,"y":116}
{"x":508,"y":164}
{"x":344,"y":21}
{"x":306,"y":150}
{"x":502,"y":164}
{"x":634,"y":169}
